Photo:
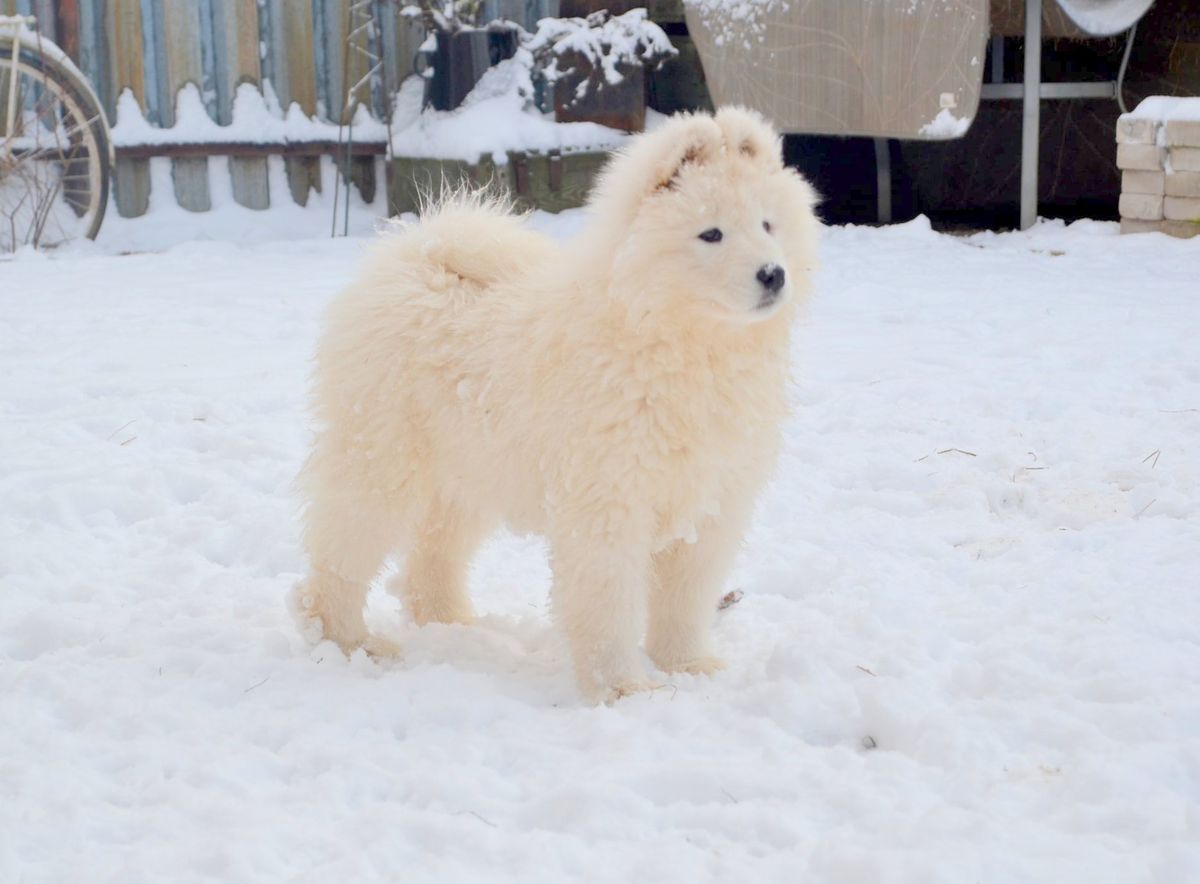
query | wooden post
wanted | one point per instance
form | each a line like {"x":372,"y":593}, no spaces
{"x":297,"y":84}
{"x":236,"y":27}
{"x":181,"y":34}
{"x":126,"y":71}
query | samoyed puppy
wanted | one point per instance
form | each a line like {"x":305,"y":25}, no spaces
{"x":621,"y":394}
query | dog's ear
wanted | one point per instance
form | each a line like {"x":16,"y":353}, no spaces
{"x":748,"y":134}
{"x":687,"y":141}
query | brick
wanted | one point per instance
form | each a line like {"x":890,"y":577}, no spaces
{"x":1139,"y":156}
{"x":1135,"y":130}
{"x":1181,"y":208}
{"x":1138,"y":181}
{"x":1133,"y":225}
{"x":1183,"y":132}
{"x":1181,"y":229}
{"x":1185,"y":159}
{"x":1142,"y":206}
{"x":1181,"y":184}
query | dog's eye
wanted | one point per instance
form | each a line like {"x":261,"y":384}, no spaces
{"x":767,"y":226}
{"x":713,"y":234}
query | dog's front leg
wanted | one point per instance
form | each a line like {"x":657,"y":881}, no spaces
{"x":599,"y":596}
{"x":688,"y":581}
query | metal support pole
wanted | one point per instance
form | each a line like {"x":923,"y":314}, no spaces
{"x":883,"y":178}
{"x":1030,"y":119}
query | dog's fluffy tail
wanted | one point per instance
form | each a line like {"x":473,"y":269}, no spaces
{"x":472,"y":235}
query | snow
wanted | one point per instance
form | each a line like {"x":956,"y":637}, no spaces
{"x":257,"y":119}
{"x":729,"y":19}
{"x":978,"y":555}
{"x":608,"y":42}
{"x":946,"y":125}
{"x":1166,"y":108}
{"x":1103,"y":18}
{"x":495,"y":118}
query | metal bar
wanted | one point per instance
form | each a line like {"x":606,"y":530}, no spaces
{"x":1030,"y":115}
{"x":997,"y":59}
{"x":248,"y":149}
{"x":883,"y":180}
{"x":1009,"y":91}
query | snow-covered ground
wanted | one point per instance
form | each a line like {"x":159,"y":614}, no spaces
{"x":968,"y":648}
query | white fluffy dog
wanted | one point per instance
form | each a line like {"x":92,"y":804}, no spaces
{"x":621,"y":394}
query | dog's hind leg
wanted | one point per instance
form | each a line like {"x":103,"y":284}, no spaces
{"x":347,"y":538}
{"x":435,"y":580}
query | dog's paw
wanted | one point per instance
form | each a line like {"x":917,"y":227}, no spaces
{"x":301,"y":604}
{"x":380,"y":648}
{"x":707,"y":665}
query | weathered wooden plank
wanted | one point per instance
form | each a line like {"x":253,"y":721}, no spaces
{"x":181,"y":44}
{"x":127,"y":71}
{"x":298,"y":48}
{"x":237,"y":21}
{"x":298,"y":69}
{"x":190,"y":175}
{"x":299,"y":149}
{"x":413,"y":180}
{"x":303,"y":176}
{"x":344,"y":67}
{"x":241,"y":40}
{"x":551,"y":182}
{"x":125,"y":66}
{"x":131,"y":179}
{"x":93,"y":50}
{"x":248,"y":176}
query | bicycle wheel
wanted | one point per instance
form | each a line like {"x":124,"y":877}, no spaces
{"x":54,"y":157}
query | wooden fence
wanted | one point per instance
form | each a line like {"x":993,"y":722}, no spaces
{"x":294,"y":51}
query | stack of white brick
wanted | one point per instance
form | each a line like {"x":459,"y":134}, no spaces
{"x":1158,"y":152}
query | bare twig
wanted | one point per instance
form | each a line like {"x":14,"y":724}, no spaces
{"x":864,"y":669}
{"x":120,"y":428}
{"x":486,"y":822}
{"x":1153,"y":454}
{"x":959,"y":450}
{"x":257,"y":684}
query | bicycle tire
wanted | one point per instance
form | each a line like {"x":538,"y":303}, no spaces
{"x":77,"y":91}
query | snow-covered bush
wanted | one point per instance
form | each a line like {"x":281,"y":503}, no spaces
{"x":609,"y":44}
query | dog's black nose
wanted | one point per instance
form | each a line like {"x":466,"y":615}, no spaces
{"x":771,"y":276}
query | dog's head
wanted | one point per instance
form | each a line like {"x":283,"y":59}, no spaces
{"x":709,"y":219}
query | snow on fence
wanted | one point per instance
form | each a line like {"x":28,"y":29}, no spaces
{"x":194,"y":80}
{"x":1158,"y":152}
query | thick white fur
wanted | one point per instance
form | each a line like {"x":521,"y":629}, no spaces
{"x":621,"y":394}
